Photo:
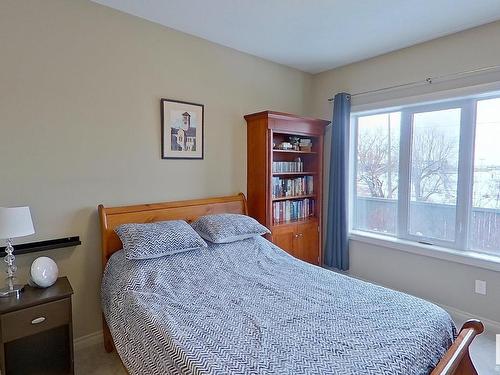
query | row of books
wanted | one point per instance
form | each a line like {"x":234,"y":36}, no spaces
{"x":292,"y":187}
{"x":292,"y":210}
{"x":288,"y":166}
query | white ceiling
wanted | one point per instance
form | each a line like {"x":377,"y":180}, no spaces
{"x":314,"y":35}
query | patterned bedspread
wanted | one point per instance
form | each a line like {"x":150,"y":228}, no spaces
{"x":250,"y":308}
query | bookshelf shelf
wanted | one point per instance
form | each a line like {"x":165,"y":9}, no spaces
{"x":293,"y":174}
{"x":277,"y":199}
{"x":307,"y":220}
{"x":294,"y":221}
{"x":294,"y":152}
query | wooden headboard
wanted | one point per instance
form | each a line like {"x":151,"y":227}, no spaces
{"x":190,"y":210}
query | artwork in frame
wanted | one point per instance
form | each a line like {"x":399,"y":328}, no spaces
{"x":182,"y":130}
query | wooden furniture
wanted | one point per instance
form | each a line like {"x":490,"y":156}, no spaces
{"x":265,"y":131}
{"x":456,"y":360}
{"x":36,"y":331}
{"x":190,"y":210}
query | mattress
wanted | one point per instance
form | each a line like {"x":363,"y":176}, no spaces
{"x":248,"y":307}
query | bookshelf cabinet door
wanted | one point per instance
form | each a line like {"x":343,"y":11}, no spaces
{"x":307,"y":247}
{"x":284,"y":237}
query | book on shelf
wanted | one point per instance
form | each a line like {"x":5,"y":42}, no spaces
{"x":292,"y":210}
{"x":292,"y":187}
{"x":288,"y":166}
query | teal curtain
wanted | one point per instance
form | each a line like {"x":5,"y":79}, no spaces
{"x":336,"y":245}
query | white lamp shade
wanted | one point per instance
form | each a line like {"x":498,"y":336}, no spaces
{"x":15,"y":222}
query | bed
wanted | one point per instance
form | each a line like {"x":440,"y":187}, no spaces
{"x":249,"y":307}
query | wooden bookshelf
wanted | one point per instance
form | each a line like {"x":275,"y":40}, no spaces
{"x":299,"y":236}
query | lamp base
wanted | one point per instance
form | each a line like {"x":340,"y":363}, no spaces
{"x":16,"y":290}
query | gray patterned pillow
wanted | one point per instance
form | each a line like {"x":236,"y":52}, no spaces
{"x":154,"y":240}
{"x":226,"y":228}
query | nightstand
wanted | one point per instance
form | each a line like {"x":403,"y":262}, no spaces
{"x":36,"y":331}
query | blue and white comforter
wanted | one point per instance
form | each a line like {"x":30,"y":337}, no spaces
{"x":250,"y":308}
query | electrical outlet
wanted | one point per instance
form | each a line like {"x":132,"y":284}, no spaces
{"x":480,"y":287}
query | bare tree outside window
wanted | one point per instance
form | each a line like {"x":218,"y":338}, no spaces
{"x":377,"y":171}
{"x":433,"y":172}
{"x":433,"y":168}
{"x":378,"y":155}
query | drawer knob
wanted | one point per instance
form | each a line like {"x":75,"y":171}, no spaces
{"x":38,"y":320}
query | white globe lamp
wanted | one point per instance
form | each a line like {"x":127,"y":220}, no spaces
{"x":44,"y":272}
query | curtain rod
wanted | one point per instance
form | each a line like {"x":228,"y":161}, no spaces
{"x":427,"y":81}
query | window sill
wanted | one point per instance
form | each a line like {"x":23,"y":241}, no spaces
{"x":470,"y":258}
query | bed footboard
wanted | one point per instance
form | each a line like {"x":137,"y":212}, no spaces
{"x":457,"y":361}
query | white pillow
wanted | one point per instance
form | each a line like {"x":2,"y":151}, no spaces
{"x":154,"y":240}
{"x":225,"y":228}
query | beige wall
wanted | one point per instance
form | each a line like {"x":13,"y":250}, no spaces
{"x":443,"y":282}
{"x":80,"y":89}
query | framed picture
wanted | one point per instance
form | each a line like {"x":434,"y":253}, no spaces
{"x":181,"y":130}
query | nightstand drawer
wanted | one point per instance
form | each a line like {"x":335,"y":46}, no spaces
{"x":35,"y":319}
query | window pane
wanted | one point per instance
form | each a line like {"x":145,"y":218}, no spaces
{"x":377,"y":172}
{"x":485,"y":224}
{"x":434,"y":172}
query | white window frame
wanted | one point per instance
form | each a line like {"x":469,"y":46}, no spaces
{"x":461,"y":243}
{"x":405,"y":155}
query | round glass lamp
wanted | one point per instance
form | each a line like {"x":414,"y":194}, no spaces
{"x":14,"y":222}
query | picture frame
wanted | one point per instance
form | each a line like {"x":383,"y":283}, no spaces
{"x":182,"y":129}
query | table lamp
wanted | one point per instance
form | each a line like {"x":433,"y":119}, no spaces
{"x":14,"y":222}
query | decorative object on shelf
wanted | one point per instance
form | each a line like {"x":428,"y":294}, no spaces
{"x":294,"y":140}
{"x":182,"y":127}
{"x":305,"y":144}
{"x":43,"y":272}
{"x":285,"y":146}
{"x":14,"y":222}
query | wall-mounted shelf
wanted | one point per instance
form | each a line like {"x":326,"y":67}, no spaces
{"x":33,"y":247}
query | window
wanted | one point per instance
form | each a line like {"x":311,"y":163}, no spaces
{"x":430,"y":173}
{"x":377,"y":172}
{"x":485,"y":221}
{"x":434,"y":173}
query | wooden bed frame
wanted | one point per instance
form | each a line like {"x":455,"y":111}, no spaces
{"x":456,"y":360}
{"x":190,"y":210}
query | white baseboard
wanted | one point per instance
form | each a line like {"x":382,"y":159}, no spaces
{"x":91,"y":339}
{"x":490,"y":326}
